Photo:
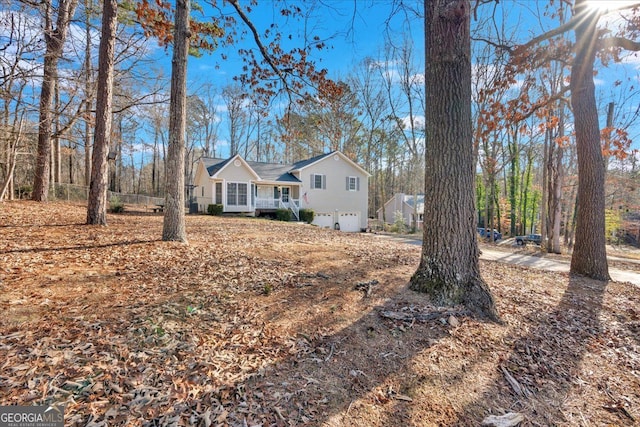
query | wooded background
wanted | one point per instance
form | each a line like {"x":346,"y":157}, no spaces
{"x":523,"y":124}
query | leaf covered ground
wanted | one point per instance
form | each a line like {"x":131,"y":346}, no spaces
{"x":259,"y":323}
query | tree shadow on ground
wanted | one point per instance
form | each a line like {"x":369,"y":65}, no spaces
{"x":330,"y":375}
{"x":544,"y":363}
{"x":79,"y":247}
{"x":336,"y":377}
{"x":336,"y":371}
{"x":18,"y":226}
{"x":228,"y":331}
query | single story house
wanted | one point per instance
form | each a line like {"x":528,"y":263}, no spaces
{"x":332,"y":185}
{"x":410,"y":207}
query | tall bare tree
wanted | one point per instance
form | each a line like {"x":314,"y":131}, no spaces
{"x":174,"y":223}
{"x":589,"y":254}
{"x":97,"y":206}
{"x":449,"y":270}
{"x":54,"y":40}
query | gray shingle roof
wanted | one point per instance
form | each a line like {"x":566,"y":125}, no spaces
{"x":273,"y":171}
{"x":408,"y":199}
{"x":303,"y":163}
{"x":266,"y":171}
{"x":214,"y":165}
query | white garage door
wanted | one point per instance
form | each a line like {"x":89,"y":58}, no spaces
{"x":349,"y":221}
{"x":323,"y":220}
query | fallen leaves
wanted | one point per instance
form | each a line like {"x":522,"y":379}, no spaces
{"x":263,"y":323}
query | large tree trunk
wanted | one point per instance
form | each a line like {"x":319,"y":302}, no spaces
{"x":589,"y":255}
{"x":54,"y":41}
{"x":174,"y":224}
{"x":556,"y":175}
{"x":514,"y":173}
{"x":88,"y":94}
{"x":97,"y":206}
{"x":449,"y":271}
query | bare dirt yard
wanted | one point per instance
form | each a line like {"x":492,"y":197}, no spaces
{"x":263,"y":323}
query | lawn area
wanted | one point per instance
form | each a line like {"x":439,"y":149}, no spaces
{"x":257,"y":323}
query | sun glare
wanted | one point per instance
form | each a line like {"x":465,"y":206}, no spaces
{"x":611,"y":5}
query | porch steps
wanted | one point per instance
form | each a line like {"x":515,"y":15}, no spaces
{"x":293,"y":208}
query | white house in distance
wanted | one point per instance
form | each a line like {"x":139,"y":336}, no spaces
{"x":332,"y":185}
{"x":410,"y":207}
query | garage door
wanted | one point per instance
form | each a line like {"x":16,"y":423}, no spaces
{"x":349,"y":221}
{"x":324,"y":220}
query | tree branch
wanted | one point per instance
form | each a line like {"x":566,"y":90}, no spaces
{"x":567,"y":26}
{"x":620,"y":42}
{"x":261,"y":47}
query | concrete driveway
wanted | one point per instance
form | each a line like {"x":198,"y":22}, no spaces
{"x":541,"y":263}
{"x":552,"y":264}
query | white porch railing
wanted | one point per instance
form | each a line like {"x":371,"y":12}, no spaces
{"x":293,"y":204}
{"x":267,"y":203}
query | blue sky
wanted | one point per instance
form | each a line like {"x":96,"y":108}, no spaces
{"x":354,"y":29}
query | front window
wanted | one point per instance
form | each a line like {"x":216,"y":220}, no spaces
{"x":218,"y":193}
{"x":242,"y":194}
{"x":237,"y":193}
{"x":232,"y":193}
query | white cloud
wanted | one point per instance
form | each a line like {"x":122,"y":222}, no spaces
{"x":417,"y":79}
{"x":418,"y":121}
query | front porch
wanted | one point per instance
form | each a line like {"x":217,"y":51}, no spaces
{"x":251,"y":198}
{"x":272,"y":197}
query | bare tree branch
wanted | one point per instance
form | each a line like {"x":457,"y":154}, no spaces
{"x":620,"y":42}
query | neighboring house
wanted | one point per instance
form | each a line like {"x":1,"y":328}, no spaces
{"x":410,"y":207}
{"x":332,"y":185}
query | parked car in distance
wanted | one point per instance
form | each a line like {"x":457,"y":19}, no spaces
{"x":487,"y":234}
{"x":529,"y":238}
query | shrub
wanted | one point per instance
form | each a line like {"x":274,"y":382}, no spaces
{"x":116,"y":205}
{"x":24,"y":191}
{"x":283,"y":215}
{"x":214,"y":209}
{"x":307,"y":215}
{"x":398,"y":223}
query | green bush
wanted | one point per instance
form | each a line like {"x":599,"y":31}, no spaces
{"x":307,"y":215}
{"x":214,"y":209}
{"x":283,"y":215}
{"x":24,"y":192}
{"x":116,"y":205}
{"x":398,"y":223}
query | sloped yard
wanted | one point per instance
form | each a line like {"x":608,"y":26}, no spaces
{"x":258,"y":322}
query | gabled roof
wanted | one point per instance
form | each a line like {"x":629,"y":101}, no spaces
{"x":408,"y":199}
{"x":263,"y":171}
{"x":274,"y":172}
{"x":216,"y":165}
{"x":305,"y":163}
{"x":213,"y":165}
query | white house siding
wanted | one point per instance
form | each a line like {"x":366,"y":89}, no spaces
{"x":204,"y":189}
{"x":335,"y":199}
{"x":236,"y":172}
